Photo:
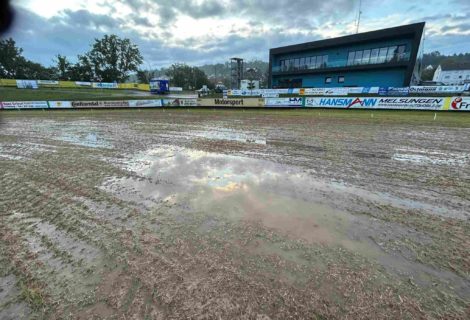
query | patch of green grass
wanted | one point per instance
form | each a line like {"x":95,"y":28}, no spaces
{"x":32,"y":296}
{"x":15,"y":94}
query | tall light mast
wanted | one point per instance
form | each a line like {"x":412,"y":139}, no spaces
{"x":359,"y":16}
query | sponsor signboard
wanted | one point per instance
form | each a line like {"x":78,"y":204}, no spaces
{"x":270,"y":95}
{"x":326,"y":91}
{"x":188,"y":102}
{"x":231,"y":102}
{"x":283,"y":102}
{"x":171,"y":102}
{"x":247,"y":93}
{"x":24,"y":105}
{"x":100,"y":104}
{"x":336,"y":91}
{"x":83,"y":83}
{"x":314,"y":91}
{"x":177,"y":89}
{"x":26,"y":84}
{"x":373,"y":90}
{"x":410,"y":103}
{"x":397,"y":91}
{"x":459,"y":104}
{"x":436,"y":89}
{"x":48,"y":82}
{"x":145,"y":103}
{"x":60,"y":104}
{"x":104,"y":85}
{"x":383,"y":91}
{"x":312,"y":102}
{"x":357,"y":90}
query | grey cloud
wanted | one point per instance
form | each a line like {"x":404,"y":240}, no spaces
{"x":71,"y":32}
{"x":459,"y":27}
{"x":84,"y":18}
{"x":142,"y":21}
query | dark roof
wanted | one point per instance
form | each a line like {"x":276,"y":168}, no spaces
{"x":448,"y":66}
{"x":407,"y":30}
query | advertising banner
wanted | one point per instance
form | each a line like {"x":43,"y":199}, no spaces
{"x":188,"y":102}
{"x":383,"y":91}
{"x":247,"y":93}
{"x":26,"y":84}
{"x":270,"y":95}
{"x":176,"y":89}
{"x":436,"y":89}
{"x":48,"y":82}
{"x":293,"y":91}
{"x":83,"y":84}
{"x":418,"y":103}
{"x":396,"y":91}
{"x":314,"y":91}
{"x":100,"y":104}
{"x":171,"y":102}
{"x":231,"y":102}
{"x":459,"y":104}
{"x":60,"y":104}
{"x":326,"y":91}
{"x":145,"y":103}
{"x":24,"y":105}
{"x":336,"y":91}
{"x":104,"y":85}
{"x":283,"y":102}
{"x":312,"y":102}
{"x":373,"y":90}
{"x":358,"y":90}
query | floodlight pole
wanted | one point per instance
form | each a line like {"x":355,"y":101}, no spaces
{"x":359,"y":16}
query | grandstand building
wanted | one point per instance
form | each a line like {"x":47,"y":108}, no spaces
{"x":385,"y":58}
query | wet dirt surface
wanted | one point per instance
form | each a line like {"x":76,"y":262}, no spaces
{"x":170,"y":214}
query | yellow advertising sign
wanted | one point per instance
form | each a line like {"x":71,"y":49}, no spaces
{"x":235,"y":103}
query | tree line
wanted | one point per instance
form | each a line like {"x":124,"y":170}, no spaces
{"x":110,"y":59}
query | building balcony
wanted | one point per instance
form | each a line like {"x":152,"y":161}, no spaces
{"x":396,"y":60}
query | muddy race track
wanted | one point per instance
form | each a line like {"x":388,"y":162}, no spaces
{"x":232,"y":214}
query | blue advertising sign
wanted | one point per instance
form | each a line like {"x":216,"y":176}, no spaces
{"x":383,"y":91}
{"x":395,"y":91}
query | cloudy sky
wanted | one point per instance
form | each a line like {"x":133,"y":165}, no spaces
{"x":208,"y":31}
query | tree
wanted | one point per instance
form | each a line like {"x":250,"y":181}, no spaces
{"x":14,"y":66}
{"x":144,"y":76}
{"x":10,"y":58}
{"x":112,"y":58}
{"x":63,"y":67}
{"x":190,"y":78}
{"x":427,"y":74}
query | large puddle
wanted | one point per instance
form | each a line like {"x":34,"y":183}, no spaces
{"x":274,"y":195}
{"x":288,"y":200}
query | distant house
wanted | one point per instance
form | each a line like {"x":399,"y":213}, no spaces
{"x":452,"y":73}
